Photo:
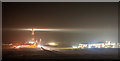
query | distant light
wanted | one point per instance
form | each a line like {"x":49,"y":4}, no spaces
{"x":44,"y":29}
{"x":74,"y":46}
{"x":10,"y":44}
{"x":38,"y":46}
{"x":89,"y":46}
{"x":52,"y":44}
{"x":18,"y":46}
{"x":31,"y":42}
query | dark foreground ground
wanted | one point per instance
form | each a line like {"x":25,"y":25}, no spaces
{"x":36,"y":53}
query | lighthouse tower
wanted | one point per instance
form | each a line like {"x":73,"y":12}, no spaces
{"x":33,"y":35}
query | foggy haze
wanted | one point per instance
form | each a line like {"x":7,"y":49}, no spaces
{"x":86,"y":16}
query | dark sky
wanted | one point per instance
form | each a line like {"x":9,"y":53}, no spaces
{"x":60,"y":16}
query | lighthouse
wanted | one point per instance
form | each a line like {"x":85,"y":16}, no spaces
{"x":33,"y":35}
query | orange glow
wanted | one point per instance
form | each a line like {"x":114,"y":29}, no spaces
{"x":17,"y":46}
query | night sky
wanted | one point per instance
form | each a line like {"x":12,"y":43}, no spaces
{"x":60,"y":16}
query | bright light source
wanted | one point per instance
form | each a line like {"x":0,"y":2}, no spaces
{"x":38,"y":46}
{"x":31,"y":42}
{"x":18,"y":46}
{"x":43,"y":29}
{"x":89,"y":46}
{"x":74,"y":47}
{"x":52,"y":44}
